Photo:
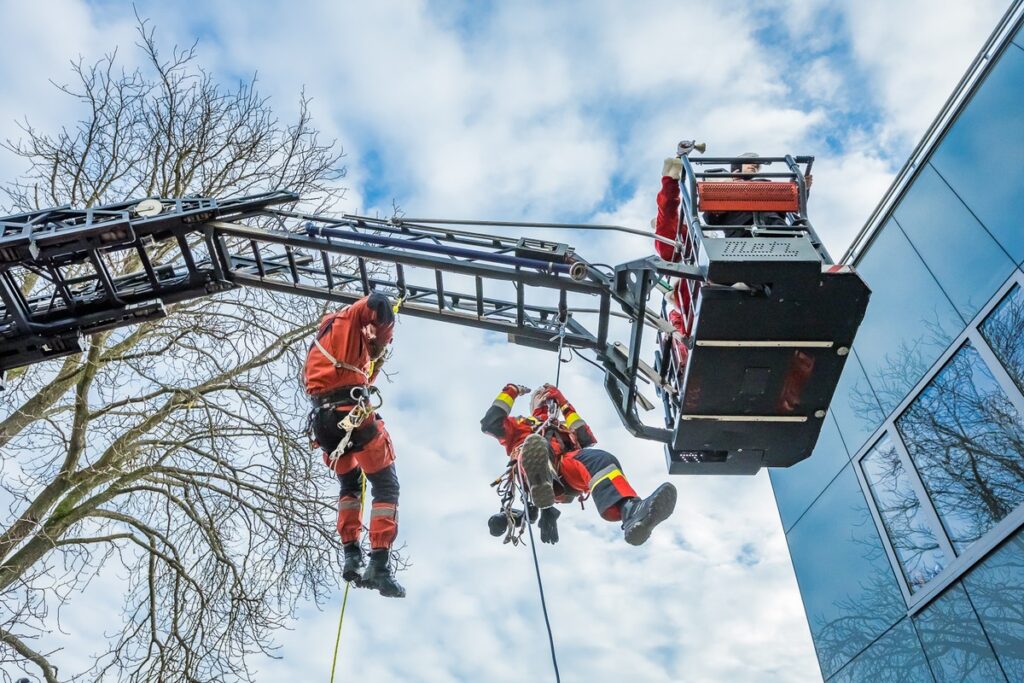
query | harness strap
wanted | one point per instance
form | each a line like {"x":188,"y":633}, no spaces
{"x":340,"y":364}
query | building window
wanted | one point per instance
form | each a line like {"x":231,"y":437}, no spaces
{"x":966,"y":439}
{"x":1003,"y":329}
{"x":911,"y":532}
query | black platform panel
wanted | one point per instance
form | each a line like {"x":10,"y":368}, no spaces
{"x":762,"y":371}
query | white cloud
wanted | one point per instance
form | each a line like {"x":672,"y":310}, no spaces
{"x":915,"y":52}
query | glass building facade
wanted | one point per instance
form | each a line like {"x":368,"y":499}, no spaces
{"x":906,"y":526}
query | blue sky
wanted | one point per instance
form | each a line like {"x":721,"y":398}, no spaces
{"x":541,"y":111}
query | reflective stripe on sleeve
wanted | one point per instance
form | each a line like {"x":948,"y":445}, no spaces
{"x":572,"y":418}
{"x":504,"y":400}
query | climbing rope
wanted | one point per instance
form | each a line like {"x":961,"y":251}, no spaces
{"x":344,"y":600}
{"x":529,"y":526}
{"x":540,"y":587}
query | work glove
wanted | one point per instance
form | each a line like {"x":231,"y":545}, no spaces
{"x":553,"y":394}
{"x":516,"y":390}
{"x":673,"y":168}
{"x":549,"y":525}
{"x":384,"y":314}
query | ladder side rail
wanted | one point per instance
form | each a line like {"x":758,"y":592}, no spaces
{"x":533,"y":278}
{"x":805,"y":221}
{"x":402,"y":228}
{"x":453,"y":252}
{"x":441,"y":298}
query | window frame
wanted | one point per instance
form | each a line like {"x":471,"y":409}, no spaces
{"x":957,"y":564}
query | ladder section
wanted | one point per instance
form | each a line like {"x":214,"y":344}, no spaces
{"x":68,"y":272}
{"x":524,"y":289}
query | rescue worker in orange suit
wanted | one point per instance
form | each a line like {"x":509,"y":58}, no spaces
{"x":558,"y":462}
{"x":343,"y":362}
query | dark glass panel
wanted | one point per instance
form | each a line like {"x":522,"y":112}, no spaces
{"x":849,"y":591}
{"x":795,"y":487}
{"x":896,"y":657}
{"x":962,"y":256}
{"x":981,"y":154}
{"x":854,"y":405}
{"x":1003,"y":329}
{"x":996,"y":589}
{"x":911,"y":533}
{"x":954,"y":642}
{"x":909,"y":322}
{"x":967,"y":442}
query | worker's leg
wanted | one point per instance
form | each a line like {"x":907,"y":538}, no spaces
{"x":350,"y":518}
{"x":384,"y":512}
{"x":350,"y":503}
{"x":599,"y":472}
{"x":378,"y":460}
{"x":329,"y":435}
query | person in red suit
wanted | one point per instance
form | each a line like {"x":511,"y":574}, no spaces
{"x":342,"y":364}
{"x":554,"y":448}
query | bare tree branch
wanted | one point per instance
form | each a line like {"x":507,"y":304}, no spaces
{"x":175,"y":449}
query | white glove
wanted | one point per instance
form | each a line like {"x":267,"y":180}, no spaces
{"x":673,"y":168}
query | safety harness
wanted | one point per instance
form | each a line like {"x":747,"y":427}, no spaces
{"x":358,"y":396}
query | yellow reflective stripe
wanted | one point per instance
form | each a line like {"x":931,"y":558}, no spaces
{"x":506,"y":399}
{"x":571,"y":418}
{"x":611,"y":475}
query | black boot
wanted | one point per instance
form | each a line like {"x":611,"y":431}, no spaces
{"x":379,"y":577}
{"x":639,"y":517}
{"x":535,"y":458}
{"x":353,"y":562}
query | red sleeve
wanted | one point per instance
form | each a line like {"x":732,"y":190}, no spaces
{"x":666,"y":225}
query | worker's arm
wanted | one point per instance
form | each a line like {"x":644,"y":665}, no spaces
{"x":494,"y":420}
{"x":667,"y":223}
{"x":572,"y":419}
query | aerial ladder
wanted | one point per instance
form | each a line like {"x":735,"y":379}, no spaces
{"x":762,"y":362}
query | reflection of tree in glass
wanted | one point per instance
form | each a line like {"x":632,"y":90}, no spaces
{"x":996,"y":590}
{"x":912,"y":536}
{"x":867,"y":611}
{"x":895,"y":656}
{"x":1004,"y":332}
{"x":954,"y":641}
{"x":966,"y":439}
{"x":898,"y":372}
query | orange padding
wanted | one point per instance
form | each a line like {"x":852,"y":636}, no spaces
{"x":746,"y":195}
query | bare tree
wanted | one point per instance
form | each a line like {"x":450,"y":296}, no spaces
{"x":167,"y":462}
